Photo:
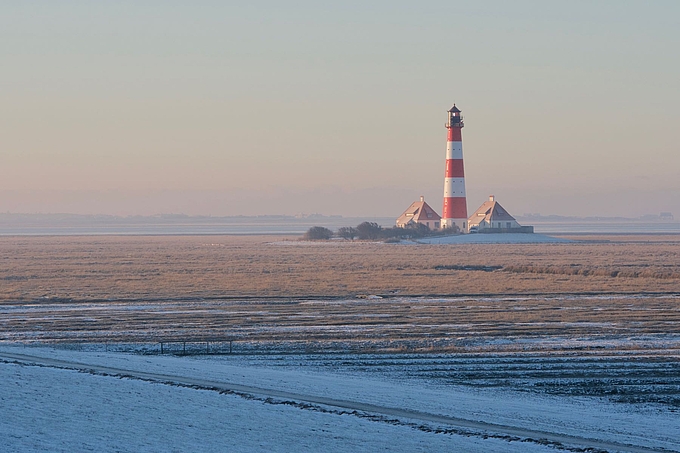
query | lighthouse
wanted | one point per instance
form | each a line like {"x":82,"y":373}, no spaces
{"x":455,"y":205}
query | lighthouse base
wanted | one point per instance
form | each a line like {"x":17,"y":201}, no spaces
{"x":461,"y":225}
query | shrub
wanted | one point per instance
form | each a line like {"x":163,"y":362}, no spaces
{"x":368,"y":230}
{"x":392,"y":233}
{"x":348,"y":233}
{"x":317,"y":233}
{"x":417,"y":230}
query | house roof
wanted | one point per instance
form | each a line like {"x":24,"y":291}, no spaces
{"x":491,"y":211}
{"x":419,"y":211}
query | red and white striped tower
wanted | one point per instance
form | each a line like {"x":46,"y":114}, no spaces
{"x":455,"y":205}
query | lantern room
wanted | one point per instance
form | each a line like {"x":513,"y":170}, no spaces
{"x":454,"y":119}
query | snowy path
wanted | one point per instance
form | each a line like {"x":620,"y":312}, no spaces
{"x":406,"y":415}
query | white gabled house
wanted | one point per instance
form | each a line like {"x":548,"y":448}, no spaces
{"x":491,"y":215}
{"x":420,"y":212}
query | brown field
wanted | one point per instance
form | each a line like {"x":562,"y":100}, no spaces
{"x":597,"y":318}
{"x":279,"y":289}
{"x":119,"y":267}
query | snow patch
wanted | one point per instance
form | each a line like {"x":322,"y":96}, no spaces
{"x":494,"y":238}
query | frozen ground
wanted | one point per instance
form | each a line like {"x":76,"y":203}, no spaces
{"x":127,"y":402}
{"x":493,"y":238}
{"x":479,"y":238}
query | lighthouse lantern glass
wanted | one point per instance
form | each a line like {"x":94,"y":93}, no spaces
{"x":454,"y":118}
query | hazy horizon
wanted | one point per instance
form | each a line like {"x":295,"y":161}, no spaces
{"x":266,"y":108}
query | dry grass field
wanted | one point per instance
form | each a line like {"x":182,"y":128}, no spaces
{"x":273,"y":289}
{"x":158,"y":267}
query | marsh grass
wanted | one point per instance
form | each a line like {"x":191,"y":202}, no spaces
{"x":159,"y":267}
{"x":263,"y":289}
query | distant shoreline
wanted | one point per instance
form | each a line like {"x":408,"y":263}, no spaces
{"x":280,"y":225}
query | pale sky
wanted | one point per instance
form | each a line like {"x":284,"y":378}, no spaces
{"x":337,"y":107}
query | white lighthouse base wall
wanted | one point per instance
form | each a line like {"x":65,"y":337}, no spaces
{"x":460,"y":224}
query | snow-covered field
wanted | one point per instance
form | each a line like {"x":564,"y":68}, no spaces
{"x":493,"y":238}
{"x":479,"y":238}
{"x":96,"y":401}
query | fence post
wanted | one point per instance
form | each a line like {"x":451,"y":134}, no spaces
{"x":229,"y":346}
{"x":161,"y":347}
{"x":184,"y":348}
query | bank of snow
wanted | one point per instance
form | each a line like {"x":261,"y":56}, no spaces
{"x":493,"y":238}
{"x":45,"y":409}
{"x":50,"y":409}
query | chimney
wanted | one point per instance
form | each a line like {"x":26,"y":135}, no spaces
{"x":492,"y":198}
{"x":422,"y":198}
